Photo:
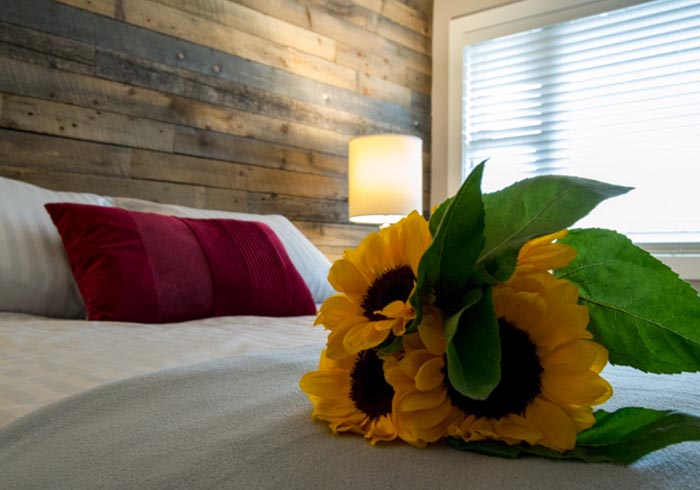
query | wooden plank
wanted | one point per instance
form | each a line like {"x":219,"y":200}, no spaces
{"x":400,"y":13}
{"x":421,"y":102}
{"x":35,"y":81}
{"x":62,"y":154}
{"x":54,"y":118}
{"x":165,"y":192}
{"x":226,"y":120}
{"x":166,"y":167}
{"x":220,"y":146}
{"x":374,"y":86}
{"x":86,"y":91}
{"x":298,"y":207}
{"x":327,"y":24}
{"x":108,"y":8}
{"x":331,"y":252}
{"x":163,"y":78}
{"x":19,"y":53}
{"x":182,"y":25}
{"x":185,"y":195}
{"x":419,"y":82}
{"x":389,"y":29}
{"x":263,"y":26}
{"x":109,"y":34}
{"x":382,"y":68}
{"x":334,"y":234}
{"x":355,"y":14}
{"x":46,"y":43}
{"x":424,"y":6}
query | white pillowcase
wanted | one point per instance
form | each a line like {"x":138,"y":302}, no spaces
{"x":312,"y":265}
{"x":35,"y":276}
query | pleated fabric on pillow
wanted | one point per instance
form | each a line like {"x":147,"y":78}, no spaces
{"x":150,"y":268}
{"x":308,"y":260}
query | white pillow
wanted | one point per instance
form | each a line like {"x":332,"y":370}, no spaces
{"x":34,"y":273}
{"x":309,"y":261}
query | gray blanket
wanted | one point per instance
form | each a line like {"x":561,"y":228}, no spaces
{"x":243,"y":423}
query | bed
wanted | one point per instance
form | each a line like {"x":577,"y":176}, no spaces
{"x":215,"y":403}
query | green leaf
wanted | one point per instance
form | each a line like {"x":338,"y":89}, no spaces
{"x":640,"y":310}
{"x":451,"y":323}
{"x":532,"y":208}
{"x":446,"y":265}
{"x":390,"y":345}
{"x":620,"y":437}
{"x":437,"y":216}
{"x":474,"y":349}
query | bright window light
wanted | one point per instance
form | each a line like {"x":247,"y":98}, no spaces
{"x":612,"y":97}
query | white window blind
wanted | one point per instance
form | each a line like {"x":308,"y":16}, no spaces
{"x":613,"y":97}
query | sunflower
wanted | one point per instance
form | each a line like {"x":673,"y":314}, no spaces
{"x":423,"y":407}
{"x":375,"y":281}
{"x":549,"y":368}
{"x":352,"y":395}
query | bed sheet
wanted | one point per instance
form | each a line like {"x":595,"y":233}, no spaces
{"x":43,"y":360}
{"x":242,"y":422}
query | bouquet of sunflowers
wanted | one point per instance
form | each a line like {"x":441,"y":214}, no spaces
{"x":490,"y":326}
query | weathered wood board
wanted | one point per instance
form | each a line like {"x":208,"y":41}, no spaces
{"x":231,"y":104}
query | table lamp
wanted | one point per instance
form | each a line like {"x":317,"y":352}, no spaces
{"x":385,"y":178}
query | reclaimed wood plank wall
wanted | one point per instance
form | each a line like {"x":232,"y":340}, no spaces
{"x":244,"y":105}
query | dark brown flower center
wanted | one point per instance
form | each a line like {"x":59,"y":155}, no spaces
{"x":520,"y":378}
{"x":394,"y":284}
{"x":369,"y":391}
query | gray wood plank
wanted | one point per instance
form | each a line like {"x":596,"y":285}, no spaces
{"x":157,"y":76}
{"x":86,"y":27}
{"x":221,"y":146}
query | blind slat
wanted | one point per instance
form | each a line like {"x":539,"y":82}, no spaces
{"x":614,"y":97}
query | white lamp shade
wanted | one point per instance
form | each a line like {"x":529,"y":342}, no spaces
{"x":385,"y":177}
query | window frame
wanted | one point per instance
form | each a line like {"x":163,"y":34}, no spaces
{"x":502,"y":20}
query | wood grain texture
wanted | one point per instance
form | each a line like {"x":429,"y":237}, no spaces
{"x":227,"y":147}
{"x":58,"y":48}
{"x":124,"y":38}
{"x":166,"y":167}
{"x":259,"y":25}
{"x":41,"y":116}
{"x":240,"y":105}
{"x":62,"y":154}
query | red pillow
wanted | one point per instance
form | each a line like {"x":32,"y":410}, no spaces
{"x":150,"y":268}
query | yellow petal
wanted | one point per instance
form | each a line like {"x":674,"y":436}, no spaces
{"x":525,"y":310}
{"x":417,"y":239}
{"x":371,"y":259}
{"x":363,"y":337}
{"x":419,"y":400}
{"x":398,"y":309}
{"x":570,"y":358}
{"x":335,"y":346}
{"x":431,"y":332}
{"x":558,"y":430}
{"x":413,"y":361}
{"x":601,"y":359}
{"x":582,"y":417}
{"x":336,"y":309}
{"x":514,"y":429}
{"x":324,"y":384}
{"x":430,"y":375}
{"x":586,"y":388}
{"x":346,"y":278}
{"x":381,"y":429}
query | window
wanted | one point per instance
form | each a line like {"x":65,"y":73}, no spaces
{"x":614,"y":96}
{"x":597,"y":91}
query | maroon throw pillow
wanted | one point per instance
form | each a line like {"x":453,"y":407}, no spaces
{"x":151,"y":268}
